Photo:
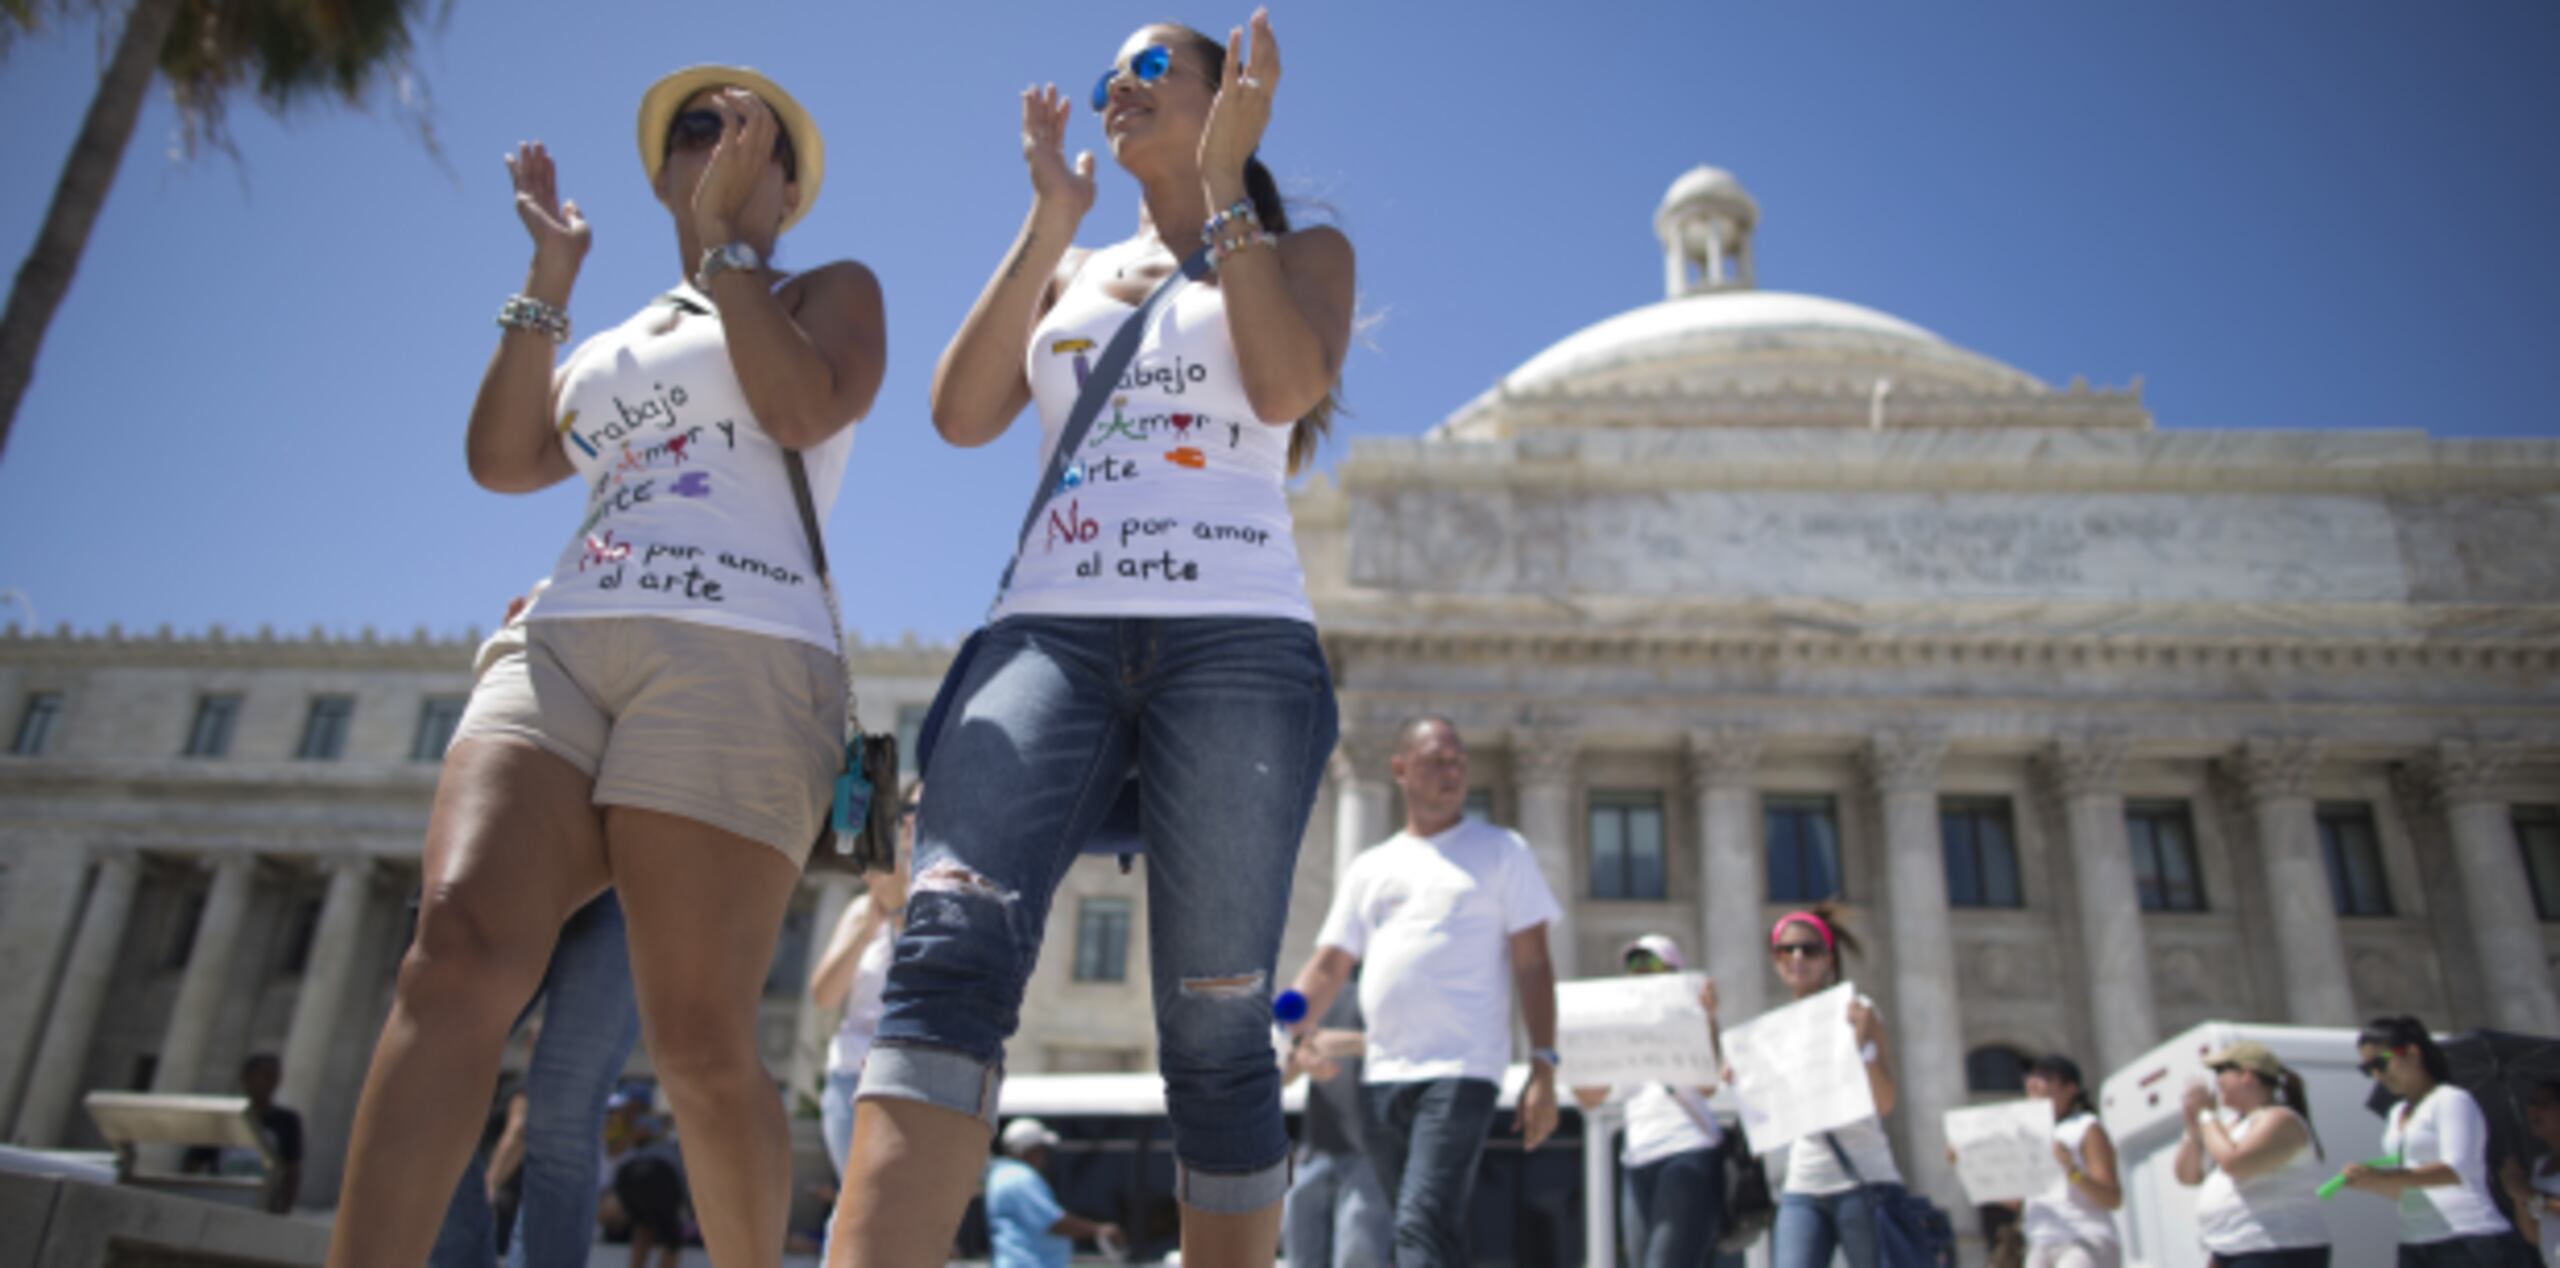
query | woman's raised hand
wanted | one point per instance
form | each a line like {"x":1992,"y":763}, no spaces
{"x":1056,"y":186}
{"x":747,"y":132}
{"x":1243,"y":105}
{"x":559,"y":232}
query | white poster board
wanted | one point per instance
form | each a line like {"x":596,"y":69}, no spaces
{"x":2004,"y":1152}
{"x":1796,"y":1070}
{"x":1615,"y":1031}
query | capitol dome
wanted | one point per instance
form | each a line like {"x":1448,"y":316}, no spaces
{"x":1719,"y":351}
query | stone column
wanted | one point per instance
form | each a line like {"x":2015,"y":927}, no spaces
{"x":35,"y":930}
{"x":53,"y":1086}
{"x":1362,"y":789}
{"x":2276,"y":773}
{"x":208,"y":978}
{"x":1927,"y":1020}
{"x":1732,"y":867}
{"x":2084,"y":773}
{"x":320,"y":1007}
{"x":810,"y":1031}
{"x":1542,"y":759}
{"x":2505,"y":932}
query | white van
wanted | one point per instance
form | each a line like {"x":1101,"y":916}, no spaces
{"x":2141,"y":1106}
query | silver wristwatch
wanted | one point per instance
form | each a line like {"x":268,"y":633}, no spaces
{"x":718,"y":260}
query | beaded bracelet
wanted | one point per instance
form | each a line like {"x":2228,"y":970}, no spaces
{"x":1241,"y":213}
{"x":1221,"y":248}
{"x":524,"y":312}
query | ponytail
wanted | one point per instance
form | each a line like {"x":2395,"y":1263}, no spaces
{"x":1264,"y":192}
{"x":2290,"y":1094}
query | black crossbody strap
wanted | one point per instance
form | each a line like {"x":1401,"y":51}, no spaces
{"x":1099,"y":383}
{"x":798,"y":470}
{"x":1843,"y":1156}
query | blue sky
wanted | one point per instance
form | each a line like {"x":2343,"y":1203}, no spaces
{"x":2277,"y":213}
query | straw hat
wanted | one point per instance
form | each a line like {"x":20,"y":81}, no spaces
{"x":658,"y":108}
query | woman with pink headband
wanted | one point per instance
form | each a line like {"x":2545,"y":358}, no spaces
{"x":1837,"y":1184}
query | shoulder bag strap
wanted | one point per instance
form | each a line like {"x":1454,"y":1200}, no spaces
{"x":1843,"y":1155}
{"x":798,"y":470}
{"x":1099,"y":383}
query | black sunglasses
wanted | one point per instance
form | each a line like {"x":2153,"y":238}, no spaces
{"x":908,"y":809}
{"x":697,"y":129}
{"x":2373,"y":1069}
{"x":1806,"y":950}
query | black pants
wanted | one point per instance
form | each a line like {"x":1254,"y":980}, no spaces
{"x":2495,"y":1250}
{"x":2297,"y":1257}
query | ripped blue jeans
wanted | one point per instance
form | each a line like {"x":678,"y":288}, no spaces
{"x":1229,"y":722}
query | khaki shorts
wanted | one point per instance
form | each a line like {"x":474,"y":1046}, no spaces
{"x":740,"y":731}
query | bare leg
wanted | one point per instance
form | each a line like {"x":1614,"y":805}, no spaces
{"x":703,"y":908}
{"x":911,"y":1171}
{"x":513,"y":847}
{"x":1231,"y":1241}
{"x":641,"y":1241}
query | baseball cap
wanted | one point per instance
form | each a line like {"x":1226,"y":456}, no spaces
{"x":2255,"y":1058}
{"x":1023,"y":1135}
{"x":1660,"y":946}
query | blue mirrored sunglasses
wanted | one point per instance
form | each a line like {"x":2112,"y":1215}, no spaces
{"x":1147,"y":66}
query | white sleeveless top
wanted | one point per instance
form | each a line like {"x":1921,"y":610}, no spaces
{"x":1175,"y":506}
{"x":2276,"y":1210}
{"x":2065,"y":1215}
{"x":689,"y":514}
{"x":863,"y":1003}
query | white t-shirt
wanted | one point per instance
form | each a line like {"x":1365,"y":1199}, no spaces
{"x":2274,"y":1210}
{"x":1175,"y":505}
{"x":1663,"y":1120}
{"x":1812,"y":1167}
{"x":1432,"y":918}
{"x":862,"y":1003}
{"x":689,"y":510}
{"x":2444,"y":1126}
{"x":2065,"y":1215}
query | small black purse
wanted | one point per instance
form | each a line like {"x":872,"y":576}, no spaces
{"x":1119,"y":832}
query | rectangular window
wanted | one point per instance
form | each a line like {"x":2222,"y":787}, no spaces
{"x":1480,"y":805}
{"x":35,"y":723}
{"x":1626,"y":846}
{"x":324,"y":729}
{"x":1803,"y":839}
{"x":437,"y":717}
{"x":1102,"y":940}
{"x":910,"y":733}
{"x":2163,"y":840}
{"x":210,"y":734}
{"x":2354,"y":855}
{"x":1982,"y":856}
{"x":2538,"y":833}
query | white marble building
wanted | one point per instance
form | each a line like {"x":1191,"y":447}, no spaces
{"x":1741,"y":598}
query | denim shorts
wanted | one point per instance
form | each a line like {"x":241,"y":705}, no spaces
{"x":1229,"y":721}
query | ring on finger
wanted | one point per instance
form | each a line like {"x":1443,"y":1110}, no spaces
{"x":1250,"y":82}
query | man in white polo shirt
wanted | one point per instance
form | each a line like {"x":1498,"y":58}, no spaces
{"x":1450,"y":916}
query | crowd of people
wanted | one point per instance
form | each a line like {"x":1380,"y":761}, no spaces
{"x":656,"y":736}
